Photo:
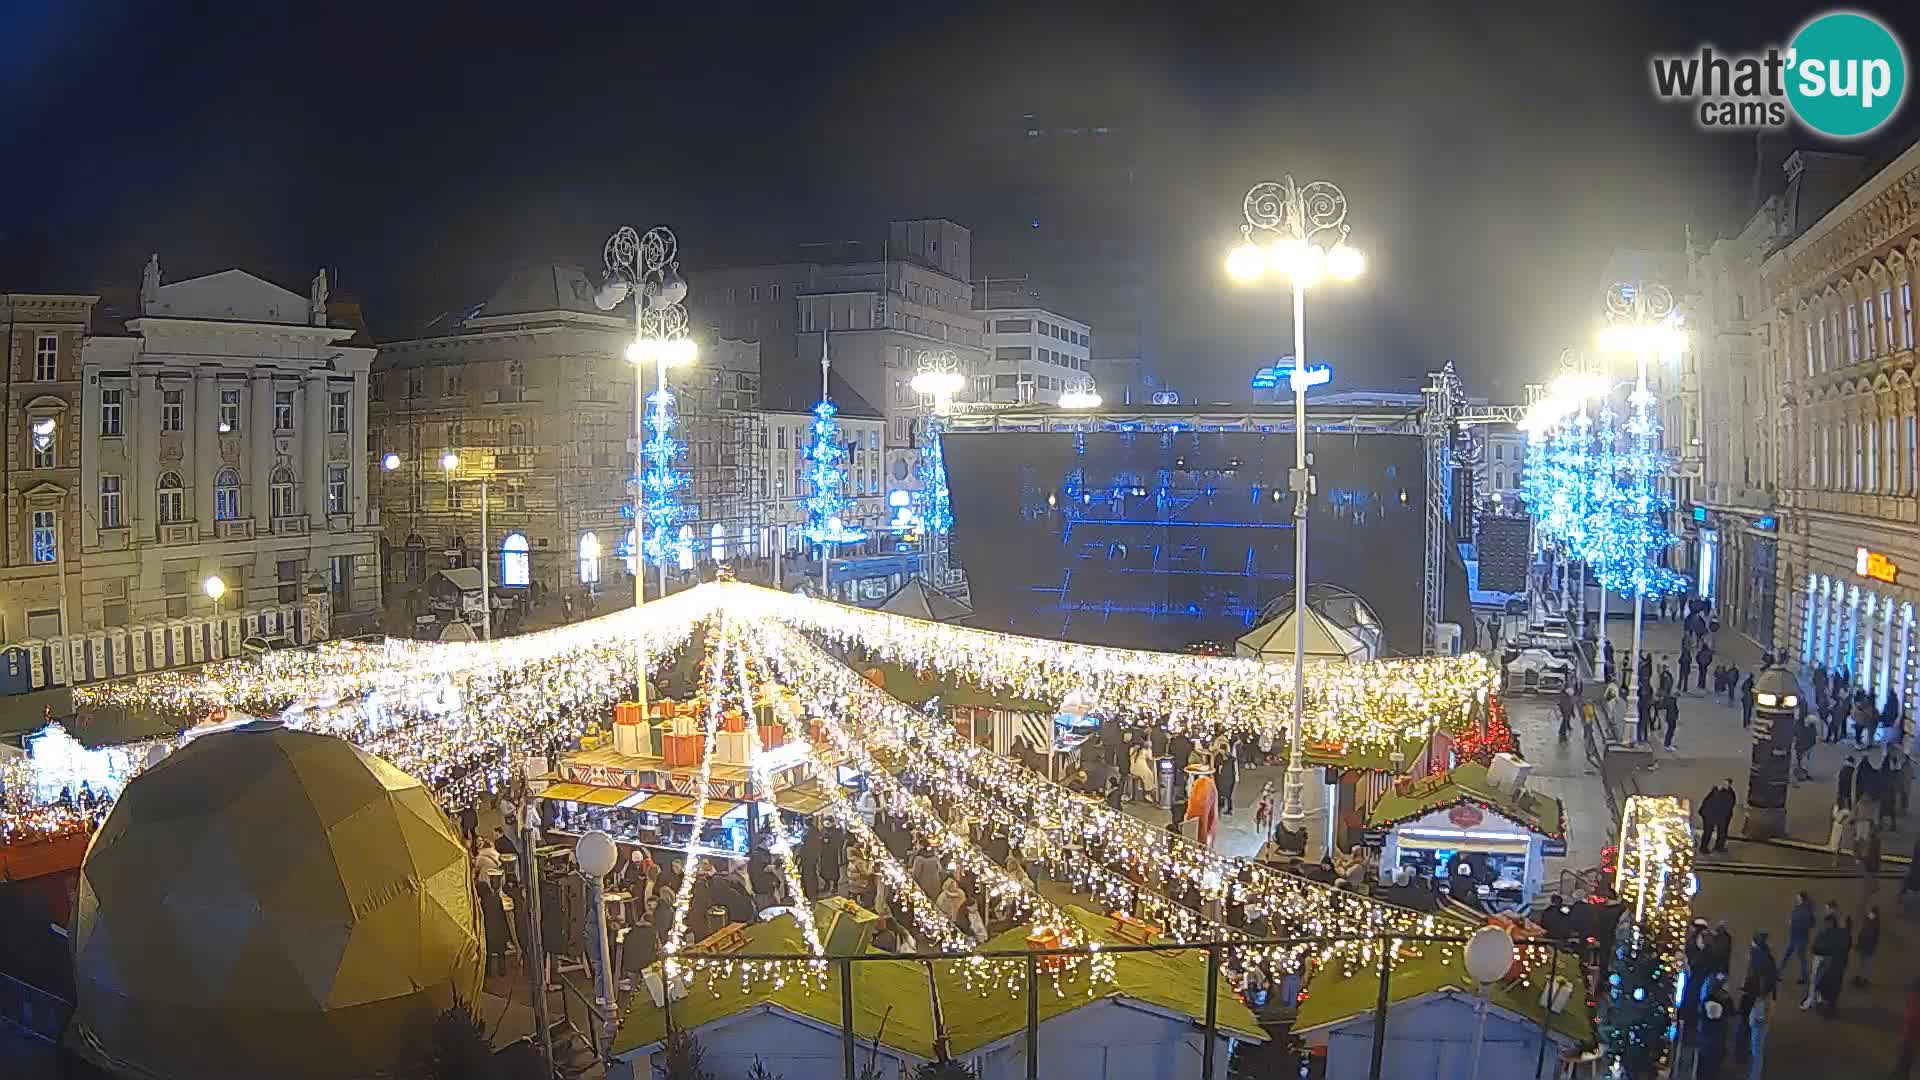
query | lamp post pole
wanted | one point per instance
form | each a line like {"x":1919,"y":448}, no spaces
{"x":1297,"y":219}
{"x":645,"y":267}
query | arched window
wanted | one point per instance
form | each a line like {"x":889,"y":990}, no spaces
{"x":719,"y":545}
{"x":513,"y":560}
{"x":589,"y":559}
{"x":686,"y":547}
{"x":226,"y":496}
{"x":173,"y":499}
{"x":280,"y":493}
{"x":516,"y":434}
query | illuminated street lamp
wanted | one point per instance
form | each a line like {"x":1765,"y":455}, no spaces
{"x":215,"y":589}
{"x":450,"y":464}
{"x":1081,"y":396}
{"x":646,"y":268}
{"x":390,"y":462}
{"x":1642,"y":322}
{"x":1303,"y":229}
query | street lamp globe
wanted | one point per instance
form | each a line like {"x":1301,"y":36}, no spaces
{"x":1246,"y":263}
{"x":390,"y":462}
{"x":639,"y":352}
{"x":1345,"y":263}
{"x":214,"y":587}
{"x":449,"y":461}
{"x":680,"y":352}
{"x":1489,"y":954}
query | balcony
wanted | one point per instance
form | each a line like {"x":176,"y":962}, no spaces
{"x":290,"y":526}
{"x":235,"y":529}
{"x":173,"y":535}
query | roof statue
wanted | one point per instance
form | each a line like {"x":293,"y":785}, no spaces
{"x":271,"y":902}
{"x":317,"y":298}
{"x":150,"y":282}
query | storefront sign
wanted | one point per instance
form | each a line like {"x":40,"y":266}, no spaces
{"x":1466,"y":816}
{"x":1552,"y":848}
{"x":1373,"y":838}
{"x":1875,"y":565}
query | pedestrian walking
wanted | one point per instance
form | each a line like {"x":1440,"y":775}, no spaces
{"x":1759,"y":1022}
{"x":1869,"y":854}
{"x":1643,"y":671}
{"x":1864,"y":720}
{"x":1734,"y":684}
{"x":1686,"y":666}
{"x":1701,"y":661}
{"x":1799,"y":934}
{"x":1865,"y":944}
{"x":1746,"y":701}
{"x":1644,"y":706}
{"x":1566,"y":712}
{"x":1226,"y":774}
{"x":1830,"y":943}
{"x":1716,"y":816}
{"x":1672,"y":703}
{"x":1843,"y":784}
{"x":1666,"y":680}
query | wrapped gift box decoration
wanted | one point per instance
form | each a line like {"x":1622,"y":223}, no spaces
{"x":629,"y":736}
{"x":1048,"y":938}
{"x":734,"y":720}
{"x":684,"y":750}
{"x":732,"y":747}
{"x":657,"y":739}
{"x":685,"y":725}
{"x":772,"y":735}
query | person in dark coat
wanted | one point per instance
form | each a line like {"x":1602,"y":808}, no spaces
{"x":1702,"y":660}
{"x":1643,"y":674}
{"x":1746,"y":702}
{"x":1180,"y":748}
{"x":1566,"y":707}
{"x":1710,"y":1032}
{"x":1833,"y":980}
{"x":1733,"y":682}
{"x":1226,"y":773}
{"x":1843,"y":785}
{"x":1716,"y":817}
{"x":1865,"y":944}
{"x":1686,"y":666}
{"x":1672,"y":704}
{"x":493,"y":918}
{"x":1666,"y":681}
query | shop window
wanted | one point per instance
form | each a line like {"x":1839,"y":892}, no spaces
{"x":589,"y":559}
{"x":514,"y":559}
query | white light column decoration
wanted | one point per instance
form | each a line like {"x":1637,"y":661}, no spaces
{"x":450,"y":464}
{"x":1295,"y":221}
{"x":646,"y":268}
{"x":937,"y":376}
{"x":1643,"y":322}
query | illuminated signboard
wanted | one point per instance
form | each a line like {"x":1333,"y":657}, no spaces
{"x":1699,"y":513}
{"x":1875,"y":565}
{"x":1266,"y":378}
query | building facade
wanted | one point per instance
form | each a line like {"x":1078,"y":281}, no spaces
{"x":220,"y":435}
{"x":532,"y":393}
{"x":1849,"y":507}
{"x":1034,"y":355}
{"x":45,"y":336}
{"x":1734,"y":535}
{"x":1503,"y":457}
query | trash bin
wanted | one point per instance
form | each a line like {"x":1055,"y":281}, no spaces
{"x":1163,"y":783}
{"x":16,"y":674}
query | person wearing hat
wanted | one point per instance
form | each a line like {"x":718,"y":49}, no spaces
{"x":1203,"y":802}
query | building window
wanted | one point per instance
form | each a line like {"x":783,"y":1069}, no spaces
{"x":1906,"y":314}
{"x":589,"y":559}
{"x":1912,"y":448}
{"x":1888,"y":340}
{"x":229,"y":411}
{"x":173,"y":410}
{"x":514,"y":556}
{"x":45,"y":441}
{"x":280,"y":493}
{"x":339,"y":406}
{"x":515,"y":498}
{"x":110,"y":402}
{"x":109,"y":502}
{"x":226,"y":496}
{"x":1873,"y":458}
{"x":451,"y":383}
{"x":45,"y":525}
{"x":686,"y":547}
{"x":283,"y":410}
{"x":46,"y":358}
{"x":1853,"y":334}
{"x":516,"y":373}
{"x":1867,"y":324}
{"x":1809,"y":349}
{"x":336,"y":489}
{"x":173,"y":499}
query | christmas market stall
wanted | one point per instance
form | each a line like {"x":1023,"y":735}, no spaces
{"x":1433,"y":1017}
{"x":1475,"y":828}
{"x":1144,"y":1021}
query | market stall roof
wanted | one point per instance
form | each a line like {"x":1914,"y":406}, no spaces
{"x":1468,"y":783}
{"x":904,"y":685}
{"x":1325,"y":640}
{"x":918,"y":600}
{"x":895,"y":994}
{"x":804,"y":799}
{"x":1333,"y":997}
{"x":1351,"y":756}
{"x":464,"y":578}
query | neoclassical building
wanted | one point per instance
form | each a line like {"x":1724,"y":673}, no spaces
{"x":1844,"y":334}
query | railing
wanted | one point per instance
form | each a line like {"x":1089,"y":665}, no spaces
{"x":33,"y":1010}
{"x":1212,"y":1064}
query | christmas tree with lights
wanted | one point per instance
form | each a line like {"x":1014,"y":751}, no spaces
{"x":826,"y":470}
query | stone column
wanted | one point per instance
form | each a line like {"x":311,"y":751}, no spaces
{"x":312,"y":425}
{"x":140,"y":418}
{"x":357,"y":450}
{"x":203,"y":429}
{"x":259,"y":439}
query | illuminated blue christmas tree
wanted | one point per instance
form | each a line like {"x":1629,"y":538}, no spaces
{"x":1627,"y":536}
{"x":663,"y":481}
{"x":827,"y":471}
{"x":933,"y":482}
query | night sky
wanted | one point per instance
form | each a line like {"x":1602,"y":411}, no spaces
{"x":1492,"y":155}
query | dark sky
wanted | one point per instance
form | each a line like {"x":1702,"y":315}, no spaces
{"x":1492,"y":154}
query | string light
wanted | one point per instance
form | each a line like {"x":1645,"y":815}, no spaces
{"x":1654,"y":881}
{"x":932,"y":471}
{"x":663,"y":482}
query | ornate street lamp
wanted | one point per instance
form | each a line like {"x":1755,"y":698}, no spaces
{"x":1299,"y":233}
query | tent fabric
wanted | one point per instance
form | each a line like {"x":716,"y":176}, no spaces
{"x":917,"y":600}
{"x":1333,"y":996}
{"x":465,"y":578}
{"x":1325,"y":640}
{"x":270,"y":902}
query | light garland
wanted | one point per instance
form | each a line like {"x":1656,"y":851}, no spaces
{"x":690,"y":862}
{"x":932,"y":472}
{"x":662,"y":482}
{"x":827,"y":472}
{"x":781,"y":847}
{"x":1654,"y":879}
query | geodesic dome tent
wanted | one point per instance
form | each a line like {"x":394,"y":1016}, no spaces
{"x":270,"y":902}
